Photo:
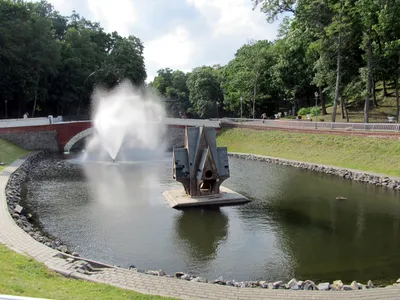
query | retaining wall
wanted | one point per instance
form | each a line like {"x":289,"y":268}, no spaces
{"x":40,"y":140}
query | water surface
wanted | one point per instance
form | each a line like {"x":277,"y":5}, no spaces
{"x":294,"y":227}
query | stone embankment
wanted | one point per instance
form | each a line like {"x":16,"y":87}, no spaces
{"x":18,"y":208}
{"x":41,"y":140}
{"x":376,"y":179}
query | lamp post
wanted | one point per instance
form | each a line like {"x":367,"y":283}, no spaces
{"x":217,"y":108}
{"x":316,"y":108}
{"x":5,"y":102}
{"x":241,"y":107}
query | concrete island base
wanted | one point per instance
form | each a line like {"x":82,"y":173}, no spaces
{"x":178,"y":199}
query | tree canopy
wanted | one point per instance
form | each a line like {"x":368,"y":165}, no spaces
{"x":50,"y":63}
{"x":334,"y":50}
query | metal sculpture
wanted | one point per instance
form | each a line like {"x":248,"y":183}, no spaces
{"x":200,"y":166}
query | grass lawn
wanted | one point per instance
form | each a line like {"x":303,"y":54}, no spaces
{"x":9,"y":153}
{"x":362,"y":153}
{"x":22,"y":276}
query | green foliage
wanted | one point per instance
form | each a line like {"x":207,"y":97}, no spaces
{"x":304,"y":111}
{"x":205,"y":92}
{"x":172,"y":85}
{"x":313,"y":111}
{"x":53,"y":62}
{"x":249,"y":76}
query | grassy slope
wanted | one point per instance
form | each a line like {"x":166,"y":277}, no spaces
{"x":9,"y":153}
{"x":362,"y":153}
{"x":20,"y":275}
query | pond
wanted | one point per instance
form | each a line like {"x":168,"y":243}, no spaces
{"x":294,"y":227}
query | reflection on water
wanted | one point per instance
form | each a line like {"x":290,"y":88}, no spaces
{"x":294,"y":227}
{"x":200,"y":232}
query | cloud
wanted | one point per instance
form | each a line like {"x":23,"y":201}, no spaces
{"x":172,"y":50}
{"x":115,"y":15}
{"x":234,"y":18}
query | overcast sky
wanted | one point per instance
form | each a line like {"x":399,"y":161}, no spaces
{"x":179,"y":34}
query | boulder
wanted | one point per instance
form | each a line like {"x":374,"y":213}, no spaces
{"x":293,"y":284}
{"x":219,"y":280}
{"x":370,"y":284}
{"x":264,"y":285}
{"x":277,"y":284}
{"x":19,"y":210}
{"x":229,"y":283}
{"x":338,"y":284}
{"x":324,"y":286}
{"x":185,"y":277}
{"x":179,"y":274}
{"x":354,"y":285}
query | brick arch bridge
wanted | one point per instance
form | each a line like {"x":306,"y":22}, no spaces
{"x":66,"y":134}
{"x":77,"y":137}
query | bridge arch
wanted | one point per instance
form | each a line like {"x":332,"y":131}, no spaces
{"x":76,"y":138}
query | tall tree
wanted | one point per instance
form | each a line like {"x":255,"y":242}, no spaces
{"x":172,"y":85}
{"x":205,"y":92}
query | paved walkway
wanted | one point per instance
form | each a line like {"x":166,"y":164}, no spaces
{"x":15,"y":238}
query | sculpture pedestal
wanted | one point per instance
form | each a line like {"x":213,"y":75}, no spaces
{"x":178,"y":198}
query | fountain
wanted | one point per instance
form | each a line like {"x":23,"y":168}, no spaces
{"x":125,"y":118}
{"x":201,"y":167}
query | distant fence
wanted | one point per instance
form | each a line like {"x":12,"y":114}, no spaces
{"x":309,"y":125}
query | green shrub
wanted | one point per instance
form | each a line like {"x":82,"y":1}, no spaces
{"x":309,"y":111}
{"x":314,"y":109}
{"x":304,"y":111}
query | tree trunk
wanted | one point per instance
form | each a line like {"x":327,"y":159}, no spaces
{"x":254,"y":100}
{"x":374,"y":102}
{"x":369,"y":57}
{"x":322,"y":99}
{"x":35,"y":97}
{"x":384,"y":88}
{"x":396,"y":84}
{"x":19,"y":104}
{"x":342,"y":108}
{"x":34,"y":104}
{"x":338,"y":75}
{"x":346,"y":112}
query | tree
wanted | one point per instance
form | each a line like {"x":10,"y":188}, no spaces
{"x":51,"y":63}
{"x":172,"y":85}
{"x":248,"y":76}
{"x":273,"y":8}
{"x":388,"y":31}
{"x":205,"y":92}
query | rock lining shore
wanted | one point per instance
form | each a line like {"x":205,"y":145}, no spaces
{"x":28,"y":222}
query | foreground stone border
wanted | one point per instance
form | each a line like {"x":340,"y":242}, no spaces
{"x":357,"y":175}
{"x":18,"y":240}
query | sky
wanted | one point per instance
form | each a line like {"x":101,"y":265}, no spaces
{"x":179,"y":34}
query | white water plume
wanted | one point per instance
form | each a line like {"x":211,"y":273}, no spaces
{"x":127,"y":123}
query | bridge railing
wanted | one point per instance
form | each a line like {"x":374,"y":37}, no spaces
{"x":4,"y":123}
{"x":308,"y":125}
